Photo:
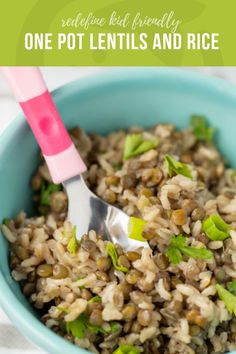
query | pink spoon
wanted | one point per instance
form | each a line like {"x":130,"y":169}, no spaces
{"x":86,"y":210}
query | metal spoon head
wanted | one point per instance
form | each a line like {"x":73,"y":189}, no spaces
{"x":88,"y":212}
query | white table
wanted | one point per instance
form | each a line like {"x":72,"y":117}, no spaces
{"x":11,"y":341}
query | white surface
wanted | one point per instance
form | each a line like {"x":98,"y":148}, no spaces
{"x":11,"y":342}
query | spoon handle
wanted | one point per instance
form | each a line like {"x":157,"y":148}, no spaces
{"x":62,"y":158}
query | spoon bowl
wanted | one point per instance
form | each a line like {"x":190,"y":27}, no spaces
{"x":88,"y":212}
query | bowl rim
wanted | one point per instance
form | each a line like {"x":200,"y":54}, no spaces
{"x":25,"y":321}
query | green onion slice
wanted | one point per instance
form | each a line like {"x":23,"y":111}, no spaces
{"x":111,"y":251}
{"x":126,"y":349}
{"x":228,"y":298}
{"x":135,"y":228}
{"x":95,"y":299}
{"x":232,"y":287}
{"x":216,"y":228}
{"x":72,"y":244}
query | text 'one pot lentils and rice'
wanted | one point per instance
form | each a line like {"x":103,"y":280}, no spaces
{"x":179,"y":295}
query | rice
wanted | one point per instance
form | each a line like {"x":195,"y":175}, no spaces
{"x":156,"y":306}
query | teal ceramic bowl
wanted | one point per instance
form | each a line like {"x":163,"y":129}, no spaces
{"x":102,"y":103}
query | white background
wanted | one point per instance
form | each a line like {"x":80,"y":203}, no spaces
{"x":11,"y":341}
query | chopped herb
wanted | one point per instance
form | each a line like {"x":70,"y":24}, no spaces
{"x":6,"y":221}
{"x":201,"y":130}
{"x":99,"y":329}
{"x":96,"y":329}
{"x":117,"y":166}
{"x":79,"y":327}
{"x":114,"y":327}
{"x":95,"y":299}
{"x":111,"y":251}
{"x":63,"y":309}
{"x":228,"y":298}
{"x":135,"y":228}
{"x":174,"y":255}
{"x":173,"y":251}
{"x":126,"y":349}
{"x":232,"y":287}
{"x":46,"y":191}
{"x":135,"y":145}
{"x":176,"y":167}
{"x":216,"y":228}
{"x":178,"y":246}
{"x":72,"y":244}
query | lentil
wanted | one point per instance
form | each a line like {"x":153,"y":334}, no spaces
{"x":144,"y":317}
{"x":198,"y":214}
{"x":179,"y":217}
{"x":129,"y":312}
{"x":44,"y":270}
{"x":112,"y":181}
{"x":133,"y":276}
{"x":104,"y":263}
{"x":133,"y":256}
{"x":96,"y":317}
{"x":129,"y":181}
{"x":60,"y":271}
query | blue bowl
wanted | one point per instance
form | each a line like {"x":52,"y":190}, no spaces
{"x":102,"y":103}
